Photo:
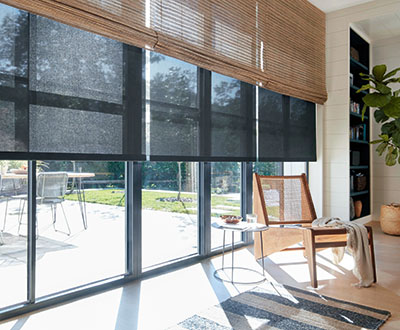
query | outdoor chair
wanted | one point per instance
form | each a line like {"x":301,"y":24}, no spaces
{"x":50,"y":189}
{"x":284,"y":203}
{"x":9,"y":189}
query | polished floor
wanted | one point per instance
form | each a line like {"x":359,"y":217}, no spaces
{"x":162,"y":301}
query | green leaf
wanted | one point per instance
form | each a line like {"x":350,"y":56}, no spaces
{"x":396,"y":138}
{"x":365,"y":75}
{"x":383,"y":88}
{"x":376,"y":100}
{"x":393,"y":80}
{"x":376,"y":141}
{"x":381,"y":148}
{"x":365,"y":87}
{"x":396,"y":93}
{"x":392,"y":109}
{"x":397,"y":123}
{"x":364,"y":109}
{"x":388,"y":128}
{"x":379,"y":71}
{"x":391,"y":73}
{"x":380,"y":116}
{"x":370,"y":79}
{"x":391,"y":157}
{"x":384,"y":137}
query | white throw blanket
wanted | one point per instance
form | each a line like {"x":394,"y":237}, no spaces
{"x":357,"y":245}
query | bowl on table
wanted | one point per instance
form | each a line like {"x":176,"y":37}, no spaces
{"x":18,"y":171}
{"x":231,"y":218}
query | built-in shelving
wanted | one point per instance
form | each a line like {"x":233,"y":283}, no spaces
{"x":358,"y":193}
{"x":355,"y":88}
{"x":358,"y":115}
{"x":359,"y":167}
{"x":357,"y":63}
{"x":362,"y":167}
{"x":358,"y":141}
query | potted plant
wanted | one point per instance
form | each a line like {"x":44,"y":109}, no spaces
{"x":387,"y":104}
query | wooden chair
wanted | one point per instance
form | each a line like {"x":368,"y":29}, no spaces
{"x":284,"y":203}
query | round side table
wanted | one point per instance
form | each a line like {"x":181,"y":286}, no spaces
{"x":240,"y":227}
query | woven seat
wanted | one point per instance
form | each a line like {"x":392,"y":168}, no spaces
{"x":284,"y":203}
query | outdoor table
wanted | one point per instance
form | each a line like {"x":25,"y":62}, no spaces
{"x":240,"y":227}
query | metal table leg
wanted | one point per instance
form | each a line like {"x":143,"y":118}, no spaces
{"x":223,"y":250}
{"x":262,"y":253}
{"x":233,"y":249}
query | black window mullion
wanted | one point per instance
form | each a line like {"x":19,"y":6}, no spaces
{"x":246,"y":194}
{"x":248,"y":111}
{"x":133,"y":203}
{"x":132,"y":100}
{"x":204,"y":103}
{"x":31,"y":253}
{"x":204,"y":209}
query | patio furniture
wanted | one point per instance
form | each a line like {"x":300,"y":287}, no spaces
{"x":50,"y":189}
{"x":284,"y":203}
{"x":9,"y":188}
{"x":79,"y":185}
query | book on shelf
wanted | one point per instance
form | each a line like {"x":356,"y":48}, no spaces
{"x":358,"y":132}
{"x":355,"y":107}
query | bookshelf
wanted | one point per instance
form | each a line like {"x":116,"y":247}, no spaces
{"x":359,"y":130}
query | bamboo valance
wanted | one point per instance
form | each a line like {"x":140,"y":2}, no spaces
{"x":276,"y":44}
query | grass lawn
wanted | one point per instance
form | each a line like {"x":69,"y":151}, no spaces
{"x":150,"y":200}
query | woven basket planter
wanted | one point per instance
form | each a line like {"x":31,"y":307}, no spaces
{"x":390,"y":219}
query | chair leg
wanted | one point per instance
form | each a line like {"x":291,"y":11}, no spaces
{"x":66,"y":220}
{"x":5,"y":216}
{"x":372,"y":250}
{"x":20,"y":216}
{"x":309,"y":245}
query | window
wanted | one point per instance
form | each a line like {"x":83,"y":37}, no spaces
{"x":225,"y":197}
{"x":169,"y":212}
{"x":13,"y":247}
{"x":80,"y":230}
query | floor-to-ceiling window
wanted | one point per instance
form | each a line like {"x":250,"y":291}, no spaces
{"x":13,"y":247}
{"x":80,"y":229}
{"x":225,"y":197}
{"x":169,"y":212}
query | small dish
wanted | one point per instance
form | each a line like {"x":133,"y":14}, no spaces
{"x":233,"y":219}
{"x":19,"y":171}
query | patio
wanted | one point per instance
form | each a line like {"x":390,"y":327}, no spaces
{"x":64,"y":262}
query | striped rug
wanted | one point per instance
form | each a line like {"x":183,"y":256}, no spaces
{"x":275,"y":306}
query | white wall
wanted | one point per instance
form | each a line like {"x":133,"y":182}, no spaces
{"x":336,"y":111}
{"x":386,"y":179}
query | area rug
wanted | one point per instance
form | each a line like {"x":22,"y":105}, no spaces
{"x":275,"y":306}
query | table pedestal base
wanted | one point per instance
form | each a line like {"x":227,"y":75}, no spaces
{"x":225,"y":275}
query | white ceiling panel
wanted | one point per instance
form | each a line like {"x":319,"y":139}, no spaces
{"x":381,"y":27}
{"x":332,"y":5}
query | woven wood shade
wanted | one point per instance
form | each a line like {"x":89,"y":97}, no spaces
{"x":277,"y":44}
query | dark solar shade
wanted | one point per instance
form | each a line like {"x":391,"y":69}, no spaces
{"x":302,"y":131}
{"x":68,"y":93}
{"x":232,"y":125}
{"x":286,"y":128}
{"x":171,"y":102}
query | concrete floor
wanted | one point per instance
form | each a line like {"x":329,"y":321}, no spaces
{"x":64,"y":262}
{"x":162,"y":301}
